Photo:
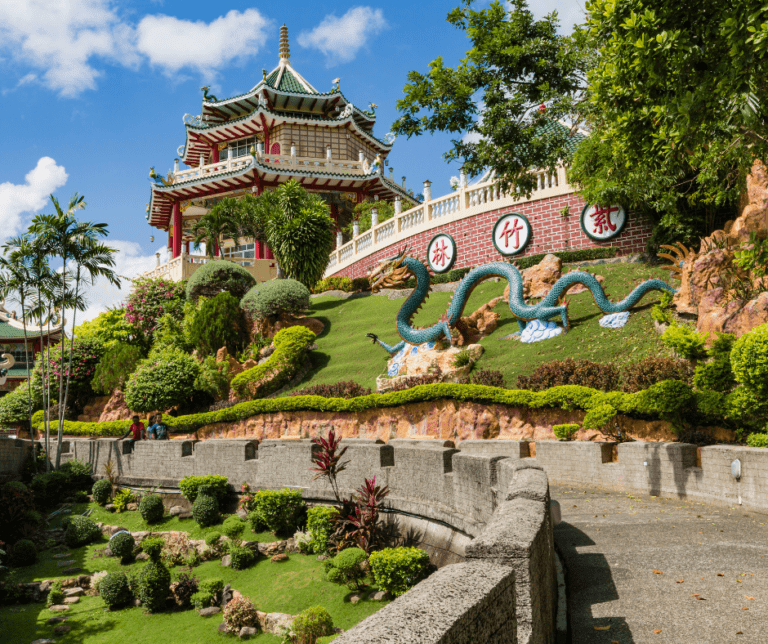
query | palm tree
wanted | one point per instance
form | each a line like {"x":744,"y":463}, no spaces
{"x":251,"y":218}
{"x":212,"y":227}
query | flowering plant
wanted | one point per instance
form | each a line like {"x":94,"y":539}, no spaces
{"x":149,"y":300}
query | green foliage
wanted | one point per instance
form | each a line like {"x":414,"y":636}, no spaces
{"x":320,"y":526}
{"x":310,"y":624}
{"x":149,"y":301}
{"x":218,"y":323}
{"x":599,"y":416}
{"x":122,"y":499}
{"x":347,"y":568}
{"x":661,"y":315}
{"x":717,"y":374}
{"x":568,"y":256}
{"x":118,"y":362}
{"x":398,"y":569}
{"x":212,"y":538}
{"x":349,"y":389}
{"x":219,"y":276}
{"x":185,"y":589}
{"x":14,"y":406}
{"x":151,"y":508}
{"x":685,"y":342}
{"x":174,"y":333}
{"x":24,"y":553}
{"x":276,"y":297}
{"x":78,"y":474}
{"x":216,"y":485}
{"x":49,"y":488}
{"x":162,"y":382}
{"x":205,"y":510}
{"x":109,"y":328}
{"x":570,"y":372}
{"x":291,"y":346}
{"x":462,"y":359}
{"x":279,"y":510}
{"x":233,"y":527}
{"x":86,"y":354}
{"x":641,"y":375}
{"x":242,"y":557}
{"x":153,"y":546}
{"x":101,"y":491}
{"x":238,"y":613}
{"x":256,"y":521}
{"x":333,"y":283}
{"x":55,"y":595}
{"x":213,"y":379}
{"x":114,"y":590}
{"x":80,"y":531}
{"x":565,"y":432}
{"x":213,"y":586}
{"x":363,"y":217}
{"x":202,"y":599}
{"x":757,"y":440}
{"x":122,"y":545}
{"x":154,"y":585}
{"x":749,"y":360}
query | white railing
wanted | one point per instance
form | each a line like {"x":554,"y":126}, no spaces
{"x":464,"y":202}
{"x":184,"y":266}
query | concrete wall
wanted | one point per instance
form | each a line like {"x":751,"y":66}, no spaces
{"x":13,"y":453}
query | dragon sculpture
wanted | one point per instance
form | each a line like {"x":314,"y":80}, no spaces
{"x":158,"y":178}
{"x":208,"y":98}
{"x":395,"y":270}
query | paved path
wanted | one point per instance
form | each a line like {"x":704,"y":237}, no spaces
{"x":662,"y":570}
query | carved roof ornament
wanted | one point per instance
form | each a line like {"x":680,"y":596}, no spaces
{"x":285,"y":50}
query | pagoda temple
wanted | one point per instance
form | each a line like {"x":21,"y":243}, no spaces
{"x":282,"y":129}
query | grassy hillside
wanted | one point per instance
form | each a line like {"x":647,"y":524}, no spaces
{"x":344,"y":353}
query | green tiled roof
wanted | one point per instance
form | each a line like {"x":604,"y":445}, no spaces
{"x":558,"y":129}
{"x":7,"y":331}
{"x":18,"y":372}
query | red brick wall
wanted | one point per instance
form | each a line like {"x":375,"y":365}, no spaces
{"x":551,"y":232}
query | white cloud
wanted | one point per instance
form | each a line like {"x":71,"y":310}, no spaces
{"x":129,"y":263}
{"x":569,"y":12}
{"x":15,"y":200}
{"x":341,"y":38}
{"x":60,"y":39}
{"x":171,"y":43}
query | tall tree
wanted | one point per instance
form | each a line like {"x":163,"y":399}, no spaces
{"x":214,"y":225}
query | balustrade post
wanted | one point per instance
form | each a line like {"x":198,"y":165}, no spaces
{"x":355,"y":229}
{"x":175,"y":166}
{"x":328,"y":158}
{"x":398,"y":205}
{"x":374,"y":217}
{"x":339,"y":240}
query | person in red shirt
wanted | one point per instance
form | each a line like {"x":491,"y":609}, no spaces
{"x":137,"y":429}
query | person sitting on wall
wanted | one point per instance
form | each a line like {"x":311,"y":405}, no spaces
{"x":137,"y":429}
{"x":158,"y":430}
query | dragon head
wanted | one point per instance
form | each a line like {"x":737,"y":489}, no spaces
{"x":390,"y":272}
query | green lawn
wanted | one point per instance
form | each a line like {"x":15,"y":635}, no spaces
{"x":287,"y":587}
{"x":344,"y":353}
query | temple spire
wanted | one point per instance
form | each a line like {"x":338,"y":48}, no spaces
{"x":285,"y":50}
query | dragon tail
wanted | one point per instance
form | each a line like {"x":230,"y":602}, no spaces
{"x":602,"y":301}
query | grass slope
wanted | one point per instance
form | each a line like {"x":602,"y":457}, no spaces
{"x":344,"y":353}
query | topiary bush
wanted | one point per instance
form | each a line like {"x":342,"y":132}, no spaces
{"x":241,"y":557}
{"x":216,"y":485}
{"x":24,"y":553}
{"x":347,"y":568}
{"x":219,"y":322}
{"x":279,"y":510}
{"x":398,"y":569}
{"x":153,"y":546}
{"x":238,"y":613}
{"x":233,"y":527}
{"x":571,"y":372}
{"x":217,"y":276}
{"x":749,"y":360}
{"x":643,"y":374}
{"x":79,"y":475}
{"x":685,"y":342}
{"x":274,"y":298}
{"x":310,"y":624}
{"x":115,"y":590}
{"x":81,"y":531}
{"x":154,"y":585}
{"x":565,"y":432}
{"x":162,"y":381}
{"x":122,"y":545}
{"x":118,"y":362}
{"x":102,"y":489}
{"x":320,"y":526}
{"x":55,"y":595}
{"x":205,"y":510}
{"x":202,"y":599}
{"x":151,"y":508}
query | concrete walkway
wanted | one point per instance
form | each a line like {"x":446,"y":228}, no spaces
{"x":645,"y":569}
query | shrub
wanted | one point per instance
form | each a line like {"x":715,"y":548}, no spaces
{"x":212,"y":538}
{"x":154,"y":584}
{"x":334,"y":283}
{"x":757,"y":440}
{"x":86,"y":354}
{"x":599,"y":417}
{"x":362,"y":284}
{"x":205,"y":510}
{"x":151,"y":299}
{"x":218,"y":323}
{"x":80,"y":531}
{"x":643,"y":374}
{"x":109,"y":328}
{"x":238,"y":613}
{"x":320,"y":526}
{"x":217,"y":276}
{"x":97,"y":578}
{"x":78,"y":474}
{"x":15,"y":501}
{"x":277,"y":297}
{"x":717,"y":375}
{"x":684,"y":341}
{"x":213,"y":379}
{"x":291,"y":346}
{"x":565,"y":432}
{"x":14,"y":406}
{"x":122,"y":545}
{"x":49,"y":488}
{"x":348,"y":389}
{"x":256,"y":522}
{"x":216,"y":485}
{"x":153,"y":546}
{"x":202,"y":599}
{"x":395,"y":570}
{"x":162,"y":381}
{"x":749,"y":360}
{"x":118,"y":362}
{"x":488,"y":378}
{"x":462,"y":359}
{"x":571,"y":372}
{"x":24,"y":553}
{"x":280,"y":510}
{"x":151,"y":508}
{"x":122,"y":499}
{"x":310,"y":624}
{"x":347,"y":568}
{"x":115,"y":590}
{"x":241,"y":557}
{"x":55,"y":594}
{"x":303,"y":542}
{"x":101,"y":491}
{"x":213,"y":586}
{"x":233,"y":527}
{"x":186,"y":587}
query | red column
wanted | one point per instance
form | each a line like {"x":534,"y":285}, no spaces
{"x":335,"y":214}
{"x":215,"y":158}
{"x":258,"y":249}
{"x":269,"y":253}
{"x":215,"y":249}
{"x":170,"y":240}
{"x":176,"y":229}
{"x":187,"y":248}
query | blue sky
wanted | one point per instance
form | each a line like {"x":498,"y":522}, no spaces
{"x":92,"y":92}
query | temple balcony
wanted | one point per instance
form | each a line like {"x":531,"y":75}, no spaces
{"x":184,"y":266}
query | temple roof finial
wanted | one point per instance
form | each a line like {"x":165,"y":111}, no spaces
{"x":285,"y":50}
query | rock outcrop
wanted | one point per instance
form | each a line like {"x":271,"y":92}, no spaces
{"x":426,"y":359}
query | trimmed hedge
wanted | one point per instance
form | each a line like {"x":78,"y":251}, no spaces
{"x":216,"y":276}
{"x":275,"y":297}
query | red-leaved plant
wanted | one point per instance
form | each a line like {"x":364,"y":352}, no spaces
{"x":366,"y":532}
{"x":328,"y":460}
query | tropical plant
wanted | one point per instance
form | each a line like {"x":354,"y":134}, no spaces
{"x":327,"y":459}
{"x":219,"y":323}
{"x":118,"y":362}
{"x":213,"y":226}
{"x":366,"y":531}
{"x":162,"y":381}
{"x":149,"y":300}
